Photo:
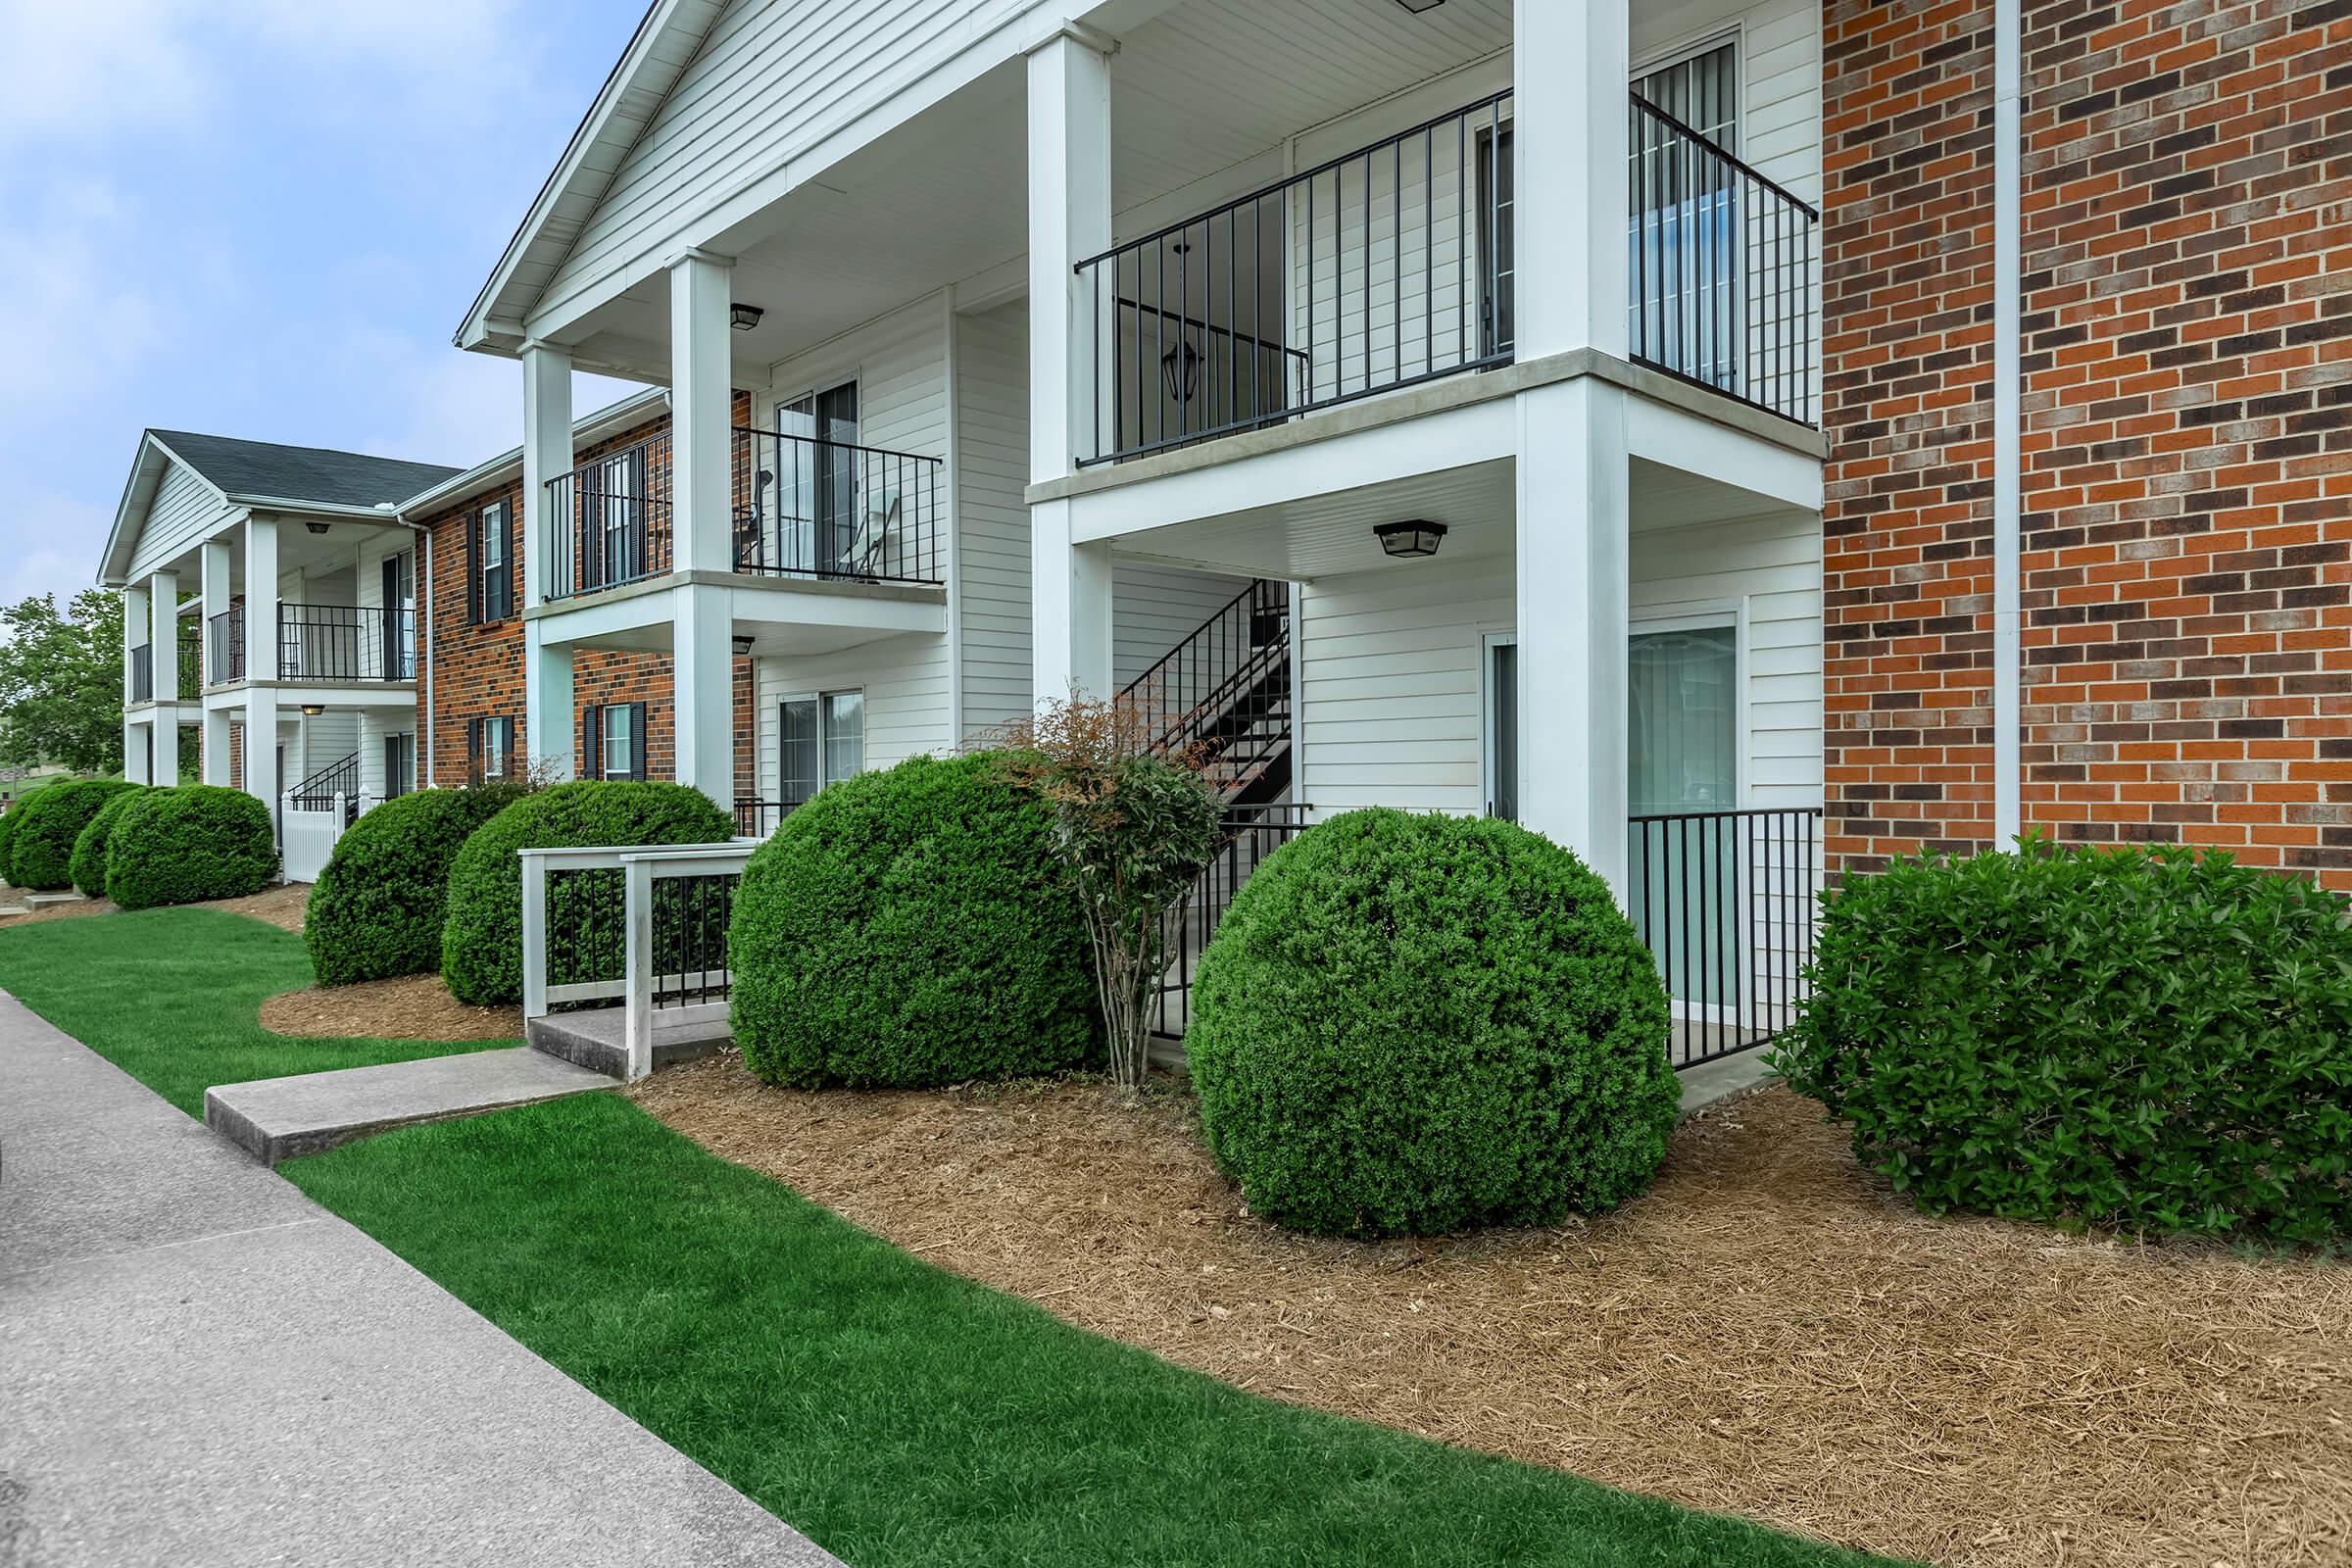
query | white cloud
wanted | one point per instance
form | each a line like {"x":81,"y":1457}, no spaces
{"x":88,"y":67}
{"x":66,"y":536}
{"x":67,"y":317}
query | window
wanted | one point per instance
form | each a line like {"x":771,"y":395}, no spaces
{"x":820,"y":740}
{"x":614,"y":511}
{"x":1502,"y":726}
{"x":612,"y":741}
{"x":399,"y":765}
{"x":399,"y":660}
{"x":489,"y":748}
{"x":490,"y":585}
{"x":1685,"y":245}
{"x":816,"y":493}
{"x":1497,"y":277}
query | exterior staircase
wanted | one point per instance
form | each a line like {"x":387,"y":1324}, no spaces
{"x":1222,"y":696}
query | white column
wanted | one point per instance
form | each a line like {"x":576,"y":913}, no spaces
{"x":1570,"y":106}
{"x":546,"y":703}
{"x":1069,"y":610}
{"x":546,"y":453}
{"x":702,"y":666}
{"x":701,"y":412}
{"x":163,"y":644}
{"x":213,"y":754}
{"x":1573,"y":593}
{"x":135,"y":622}
{"x":1069,"y":219}
{"x":261,"y":661}
{"x":135,"y":765}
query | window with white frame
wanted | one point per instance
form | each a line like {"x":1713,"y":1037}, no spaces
{"x":820,"y":739}
{"x":490,"y":747}
{"x":619,"y":737}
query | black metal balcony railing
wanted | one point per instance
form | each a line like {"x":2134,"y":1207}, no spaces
{"x":225,"y":646}
{"x":191,"y":658}
{"x":806,"y":508}
{"x":1245,"y":836}
{"x":1722,"y":270}
{"x":610,"y":520}
{"x":1724,"y":901}
{"x":1382,"y":268}
{"x":757,"y":818}
{"x":346,"y":642}
{"x":142,"y":674}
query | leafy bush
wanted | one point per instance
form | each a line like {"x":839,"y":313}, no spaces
{"x":909,"y":927}
{"x":379,"y":904}
{"x":187,"y":843}
{"x":481,"y":932}
{"x":88,"y":862}
{"x":2156,"y":1040}
{"x":1417,"y":1024}
{"x":10,"y":820}
{"x":40,"y":853}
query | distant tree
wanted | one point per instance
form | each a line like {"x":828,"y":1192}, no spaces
{"x":61,"y":682}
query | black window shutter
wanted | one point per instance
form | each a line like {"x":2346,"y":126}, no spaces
{"x":473,"y":569}
{"x":639,"y":748}
{"x":474,"y":751}
{"x":591,"y":765}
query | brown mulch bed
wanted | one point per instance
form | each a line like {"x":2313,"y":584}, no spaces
{"x":1767,"y":1332}
{"x":411,"y":1007}
{"x":281,"y":906}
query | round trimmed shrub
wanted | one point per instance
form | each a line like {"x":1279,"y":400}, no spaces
{"x":89,"y":865}
{"x":481,"y":931}
{"x":10,"y":820}
{"x":909,"y":928}
{"x":1417,"y":1024}
{"x":40,"y":853}
{"x":187,"y":843}
{"x":2153,"y":1040}
{"x":379,"y":904}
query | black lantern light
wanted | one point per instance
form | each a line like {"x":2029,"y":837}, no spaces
{"x":742,"y":318}
{"x":1410,"y":540}
{"x":1180,"y":369}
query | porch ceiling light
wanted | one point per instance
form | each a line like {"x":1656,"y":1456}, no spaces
{"x":313,"y":710}
{"x":315,"y":527}
{"x":743,"y":647}
{"x":742,"y":318}
{"x":1416,"y":7}
{"x":1406,"y":541}
{"x":1180,"y":369}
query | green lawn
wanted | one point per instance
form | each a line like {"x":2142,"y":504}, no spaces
{"x":169,"y":996}
{"x":899,"y":1414}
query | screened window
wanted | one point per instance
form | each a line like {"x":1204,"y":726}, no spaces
{"x":619,"y":744}
{"x":494,"y":582}
{"x":820,"y":740}
{"x":490,"y":742}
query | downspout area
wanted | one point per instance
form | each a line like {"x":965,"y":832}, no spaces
{"x":2008,"y":784}
{"x":425,"y":643}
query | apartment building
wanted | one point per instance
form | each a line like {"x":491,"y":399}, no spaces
{"x":1743,"y":441}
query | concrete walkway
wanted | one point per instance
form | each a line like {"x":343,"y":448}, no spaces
{"x":200,"y":1366}
{"x":281,"y":1118}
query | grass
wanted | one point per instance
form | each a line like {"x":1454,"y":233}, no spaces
{"x":903,"y":1415}
{"x":171,"y":997}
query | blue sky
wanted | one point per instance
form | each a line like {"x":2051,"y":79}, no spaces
{"x":263,"y":218}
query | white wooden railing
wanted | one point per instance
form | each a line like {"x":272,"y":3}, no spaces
{"x":307,"y":835}
{"x":662,"y":970}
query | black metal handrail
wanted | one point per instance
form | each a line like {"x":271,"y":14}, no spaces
{"x":320,"y":791}
{"x":191,"y":657}
{"x":1245,"y":836}
{"x":809,"y":508}
{"x":757,"y":818}
{"x":690,"y":916}
{"x":1222,"y":694}
{"x":1725,"y":901}
{"x":142,"y":674}
{"x":346,"y":642}
{"x":1722,"y":268}
{"x":1380,"y":268}
{"x":224,"y":645}
{"x":609,"y":520}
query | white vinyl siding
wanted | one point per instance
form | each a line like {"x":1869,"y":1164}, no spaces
{"x":1154,"y":609}
{"x":768,"y":82}
{"x":186,"y":511}
{"x":992,"y":434}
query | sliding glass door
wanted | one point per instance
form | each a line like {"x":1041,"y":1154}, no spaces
{"x":1683,"y":882}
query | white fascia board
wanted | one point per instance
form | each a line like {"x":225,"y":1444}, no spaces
{"x":1675,"y":438}
{"x":138,"y":494}
{"x":962,"y":53}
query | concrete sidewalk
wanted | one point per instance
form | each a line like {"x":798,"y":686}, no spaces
{"x":200,"y":1366}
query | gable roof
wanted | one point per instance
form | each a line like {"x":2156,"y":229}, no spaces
{"x":265,"y":470}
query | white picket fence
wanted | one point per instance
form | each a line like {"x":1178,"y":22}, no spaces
{"x":306,"y":838}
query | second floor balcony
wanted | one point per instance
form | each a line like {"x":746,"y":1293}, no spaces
{"x":322,"y":642}
{"x":800,"y":507}
{"x":1392,"y":265}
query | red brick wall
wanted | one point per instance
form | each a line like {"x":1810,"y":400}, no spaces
{"x":477,"y":670}
{"x":2188,"y":451}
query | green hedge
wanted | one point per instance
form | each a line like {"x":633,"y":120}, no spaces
{"x":1412,"y":1024}
{"x":2160,"y":1041}
{"x":40,"y":853}
{"x":10,"y":821}
{"x":89,"y":865}
{"x":481,"y":934}
{"x":908,"y":927}
{"x":379,"y":904}
{"x":187,"y":843}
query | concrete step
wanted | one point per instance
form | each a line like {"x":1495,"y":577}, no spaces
{"x":41,"y":900}
{"x":592,"y":1038}
{"x":279,"y":1118}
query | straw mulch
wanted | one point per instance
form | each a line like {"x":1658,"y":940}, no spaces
{"x":1765,"y":1333}
{"x":279,"y":905}
{"x":408,"y":1006}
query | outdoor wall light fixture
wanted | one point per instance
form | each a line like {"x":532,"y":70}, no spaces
{"x":1407,"y":541}
{"x":742,"y":318}
{"x":1180,"y":368}
{"x":743,"y":647}
{"x":313,"y":710}
{"x":315,"y":527}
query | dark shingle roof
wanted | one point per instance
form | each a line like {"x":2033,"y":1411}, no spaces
{"x":300,"y":473}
